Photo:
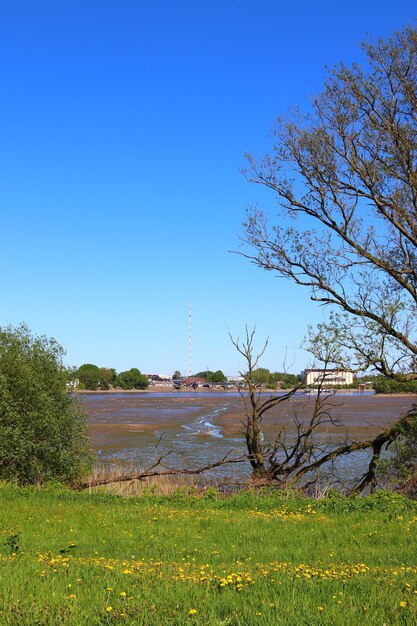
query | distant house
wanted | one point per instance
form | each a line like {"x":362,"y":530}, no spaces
{"x":193,"y":380}
{"x":236,"y":379}
{"x":158,"y":377}
{"x":159,"y":380}
{"x":328,"y":378}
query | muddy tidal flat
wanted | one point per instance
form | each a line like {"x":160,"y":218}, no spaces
{"x":199,"y":428}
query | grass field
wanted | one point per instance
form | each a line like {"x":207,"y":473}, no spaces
{"x":68,"y":558}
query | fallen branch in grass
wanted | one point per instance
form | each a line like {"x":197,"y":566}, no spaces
{"x":158,"y":468}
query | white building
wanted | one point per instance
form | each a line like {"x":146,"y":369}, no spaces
{"x":328,"y":378}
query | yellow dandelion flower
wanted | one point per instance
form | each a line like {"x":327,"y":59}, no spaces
{"x":123,"y":594}
{"x":192,"y":611}
{"x":109,"y":609}
{"x":403,"y":603}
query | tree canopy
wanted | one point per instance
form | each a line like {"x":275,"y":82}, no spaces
{"x":261,"y":376}
{"x":107,"y":377}
{"x":43,"y":432}
{"x":92,"y":377}
{"x":205,"y":375}
{"x":212,"y":377}
{"x":344,"y":176}
{"x":89,"y":376}
{"x":132,"y":379}
{"x":218,"y":377}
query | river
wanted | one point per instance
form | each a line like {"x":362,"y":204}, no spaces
{"x":198,"y":428}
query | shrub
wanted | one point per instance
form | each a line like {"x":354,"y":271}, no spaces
{"x":389,"y":385}
{"x":43,"y":433}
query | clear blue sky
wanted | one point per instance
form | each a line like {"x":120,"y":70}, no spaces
{"x":123,"y":127}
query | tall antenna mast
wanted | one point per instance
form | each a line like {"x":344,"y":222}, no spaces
{"x":189,"y":339}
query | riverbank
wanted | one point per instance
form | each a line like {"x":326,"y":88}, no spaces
{"x":156,"y":389}
{"x":170,"y":389}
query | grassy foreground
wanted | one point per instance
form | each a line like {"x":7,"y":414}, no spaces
{"x":68,"y":558}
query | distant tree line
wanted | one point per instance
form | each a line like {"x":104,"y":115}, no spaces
{"x":272,"y":380}
{"x":380,"y":384}
{"x":384,"y":384}
{"x":212,"y":377}
{"x":93,"y":377}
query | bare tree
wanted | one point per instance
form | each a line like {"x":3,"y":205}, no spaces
{"x":297,"y":452}
{"x":255,"y":405}
{"x":295,"y":445}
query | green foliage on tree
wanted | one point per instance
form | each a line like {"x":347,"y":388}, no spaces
{"x":92,"y":377}
{"x":176,"y":375}
{"x":132,"y":379}
{"x":218,"y":377}
{"x":383,"y":384}
{"x":343,"y":175}
{"x":107,"y":377}
{"x":344,"y":178}
{"x":212,"y":377}
{"x":282,"y":380}
{"x":206,"y":375}
{"x":399,"y":469}
{"x":43,"y":433}
{"x":273,"y":380}
{"x":261,"y":376}
{"x":89,"y":376}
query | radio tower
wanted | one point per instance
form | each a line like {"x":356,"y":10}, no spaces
{"x":189,"y":339}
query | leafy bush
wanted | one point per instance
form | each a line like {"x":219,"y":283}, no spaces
{"x":399,"y":470}
{"x":43,"y":432}
{"x":388,"y":385}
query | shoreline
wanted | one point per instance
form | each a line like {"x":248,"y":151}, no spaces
{"x":166,"y":389}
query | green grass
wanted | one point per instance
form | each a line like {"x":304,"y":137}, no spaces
{"x":68,"y":558}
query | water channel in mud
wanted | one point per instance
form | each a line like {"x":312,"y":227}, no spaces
{"x":200,"y":428}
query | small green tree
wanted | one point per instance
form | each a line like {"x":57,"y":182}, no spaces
{"x":107,"y":377}
{"x":132,"y":379}
{"x":218,"y":377}
{"x":43,"y":432}
{"x":261,"y":375}
{"x":206,"y":375}
{"x":89,"y":376}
